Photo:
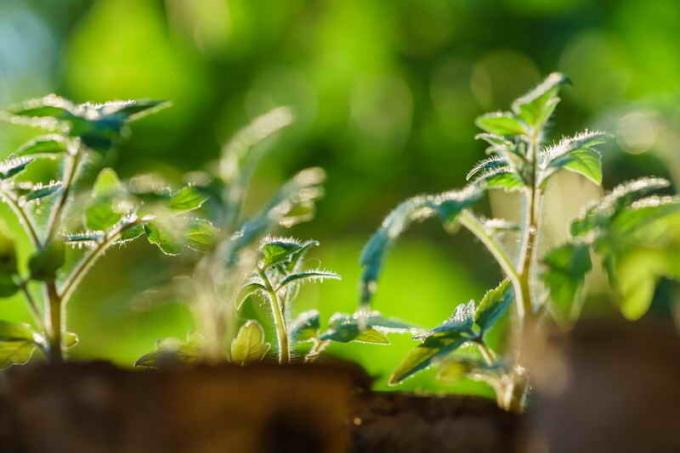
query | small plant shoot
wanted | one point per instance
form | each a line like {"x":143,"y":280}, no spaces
{"x":241,"y":262}
{"x":536,"y":289}
{"x":65,"y":216}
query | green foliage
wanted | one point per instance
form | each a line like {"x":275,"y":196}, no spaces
{"x":249,"y":344}
{"x":566,"y":269}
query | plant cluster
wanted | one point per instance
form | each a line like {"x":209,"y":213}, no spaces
{"x":541,"y":288}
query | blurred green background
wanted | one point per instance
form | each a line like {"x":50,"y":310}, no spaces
{"x":385,"y":93}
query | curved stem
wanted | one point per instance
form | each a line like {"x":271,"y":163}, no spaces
{"x":279,"y":319}
{"x":84,"y":265}
{"x":472,"y":223}
{"x":22,"y":215}
{"x":487,"y":354}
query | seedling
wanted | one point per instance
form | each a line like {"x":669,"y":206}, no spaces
{"x":520,"y":161}
{"x":60,"y":213}
{"x":232,"y":268}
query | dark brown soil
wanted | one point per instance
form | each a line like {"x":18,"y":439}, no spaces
{"x":393,"y":422}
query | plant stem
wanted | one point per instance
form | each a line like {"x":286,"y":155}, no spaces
{"x":22,"y":215}
{"x":279,"y":319}
{"x":472,"y":223}
{"x":70,"y":169}
{"x":487,"y":353}
{"x":316,"y":350}
{"x":30,"y":300}
{"x":85,"y":264}
{"x":54,"y":322}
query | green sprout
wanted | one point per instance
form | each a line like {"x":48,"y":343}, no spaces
{"x":233,"y":268}
{"x":70,"y":226}
{"x":519,"y":161}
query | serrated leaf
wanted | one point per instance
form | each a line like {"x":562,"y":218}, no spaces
{"x":423,"y":356}
{"x":306,"y":326}
{"x":502,"y":177}
{"x":536,"y":107}
{"x":186,"y":199}
{"x":13,"y":166}
{"x":34,"y":192}
{"x":50,"y":106}
{"x":501,"y":123}
{"x":461,"y":321}
{"x":566,"y":268}
{"x":600,"y":213}
{"x":493,"y":305}
{"x":363,"y":327}
{"x":45,"y":262}
{"x":575,"y":154}
{"x":45,"y":146}
{"x":277,"y":251}
{"x":132,"y":110}
{"x":446,"y":206}
{"x":131,"y":233}
{"x":249,"y":344}
{"x":313,"y":275}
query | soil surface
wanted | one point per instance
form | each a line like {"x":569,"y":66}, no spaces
{"x":394,"y":422}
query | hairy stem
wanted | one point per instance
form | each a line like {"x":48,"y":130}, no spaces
{"x":279,"y":319}
{"x":86,"y":263}
{"x":22,"y":215}
{"x":472,"y":223}
{"x":316,"y":350}
{"x":71,"y":163}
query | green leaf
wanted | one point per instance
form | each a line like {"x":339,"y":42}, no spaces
{"x":17,"y":343}
{"x":186,"y":199}
{"x":101,"y":215}
{"x":306,"y":326}
{"x":201,"y":234}
{"x":50,"y":106}
{"x":277,"y":251}
{"x":422,"y":357}
{"x":502,"y":177}
{"x":566,"y":269}
{"x":493,"y":305}
{"x":106,"y":184}
{"x":70,"y":340}
{"x":169,"y":351}
{"x":461,"y":321}
{"x":13,"y":166}
{"x":249,"y":344}
{"x":45,"y":146}
{"x":164,"y":237}
{"x":132,"y":110}
{"x":452,"y":369}
{"x":501,"y":123}
{"x":8,"y":254}
{"x":34,"y":192}
{"x":369,"y":327}
{"x":8,"y":285}
{"x":131,"y":232}
{"x":600,"y":213}
{"x":314,"y":275}
{"x":45,"y":262}
{"x":446,"y":206}
{"x":536,"y":107}
{"x":575,"y":154}
{"x":641,"y":213}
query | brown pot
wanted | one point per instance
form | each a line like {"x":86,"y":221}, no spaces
{"x":610,"y":386}
{"x":96,"y":407}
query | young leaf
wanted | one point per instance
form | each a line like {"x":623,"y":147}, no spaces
{"x":186,"y":199}
{"x":17,"y":343}
{"x":107,"y":184}
{"x":566,"y":269}
{"x":201,"y":234}
{"x":460,"y":322}
{"x":434,"y":347}
{"x":163,"y":236}
{"x":306,"y":326}
{"x":12,"y":166}
{"x":575,"y":154}
{"x":277,"y":251}
{"x":101,"y":215}
{"x":45,"y":262}
{"x":50,"y":106}
{"x":33,"y":192}
{"x":170,"y":351}
{"x":501,"y":123}
{"x":600,"y":213}
{"x":363,"y":327}
{"x":536,"y":107}
{"x":307,"y":276}
{"x":45,"y":146}
{"x":446,"y":206}
{"x":493,"y":305}
{"x":249,"y":344}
